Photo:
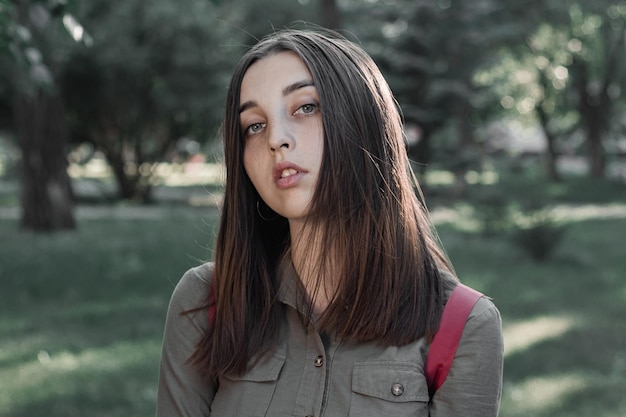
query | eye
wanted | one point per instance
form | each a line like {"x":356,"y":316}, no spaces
{"x":254,"y":128}
{"x":308,"y":108}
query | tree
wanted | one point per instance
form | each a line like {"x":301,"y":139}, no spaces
{"x":151,"y":73}
{"x":531,"y":80}
{"x":250,"y":20}
{"x":575,"y":57}
{"x":39,"y":119}
{"x":430,"y":52}
{"x":596,"y":69}
{"x":331,"y":15}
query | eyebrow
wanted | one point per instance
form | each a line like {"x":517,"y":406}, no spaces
{"x":286,"y":91}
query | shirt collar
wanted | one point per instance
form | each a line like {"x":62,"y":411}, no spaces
{"x":291,"y":291}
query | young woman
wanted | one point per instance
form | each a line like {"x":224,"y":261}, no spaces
{"x":328,"y":284}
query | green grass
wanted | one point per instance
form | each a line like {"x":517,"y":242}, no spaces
{"x":81,"y":313}
{"x":564,"y":320}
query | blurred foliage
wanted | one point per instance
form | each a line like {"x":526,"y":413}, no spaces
{"x":430,"y":52}
{"x":538,"y":233}
{"x":568,"y":77}
{"x":528,"y":218}
{"x":158,"y":78}
{"x":34,"y":46}
{"x":492,"y":210}
{"x":138,"y":77}
{"x":146,"y":74}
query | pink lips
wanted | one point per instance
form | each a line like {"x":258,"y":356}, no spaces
{"x":287,"y":174}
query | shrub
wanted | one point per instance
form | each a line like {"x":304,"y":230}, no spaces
{"x":538,"y":232}
{"x":492,"y":211}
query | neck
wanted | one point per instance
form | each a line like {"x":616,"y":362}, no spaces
{"x":314,"y":264}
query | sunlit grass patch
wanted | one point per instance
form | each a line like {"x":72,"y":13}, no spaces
{"x":82,"y":313}
{"x":542,"y":394}
{"x":519,"y":336}
{"x":48,"y":378}
{"x":564,"y":321}
{"x":436,"y":177}
{"x":571,"y":394}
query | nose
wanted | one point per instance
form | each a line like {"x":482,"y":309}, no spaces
{"x":280,"y":137}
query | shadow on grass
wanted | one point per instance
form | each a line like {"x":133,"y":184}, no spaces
{"x":581,"y":373}
{"x":82,"y":313}
{"x":564,"y":320}
{"x":77,"y":326}
{"x":111,"y":381}
{"x":82,"y":358}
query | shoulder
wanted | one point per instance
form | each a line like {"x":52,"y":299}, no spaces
{"x":183,"y":390}
{"x":483,"y":310}
{"x":483,"y":324}
{"x":485,"y":313}
{"x":192,"y":290}
{"x":483,"y":327}
{"x":474,"y":383}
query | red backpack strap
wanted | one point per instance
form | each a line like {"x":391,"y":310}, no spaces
{"x":444,"y":345}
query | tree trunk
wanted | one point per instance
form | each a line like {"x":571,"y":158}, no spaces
{"x":551,"y":154}
{"x":465,"y":155}
{"x":330,"y":14}
{"x":544,"y":120}
{"x":597,"y":162}
{"x":46,"y":195}
{"x":595,"y":111}
{"x":594,"y":115}
{"x":130,"y":185}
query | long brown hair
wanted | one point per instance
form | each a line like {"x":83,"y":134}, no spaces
{"x":365,"y":209}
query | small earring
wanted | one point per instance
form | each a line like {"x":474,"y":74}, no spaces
{"x":266,"y":218}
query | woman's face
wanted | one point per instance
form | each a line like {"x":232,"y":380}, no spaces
{"x":282,"y":128}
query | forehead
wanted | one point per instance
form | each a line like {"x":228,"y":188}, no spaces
{"x":280,"y":68}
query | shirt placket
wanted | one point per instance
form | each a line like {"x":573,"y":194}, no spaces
{"x":311,"y":394}
{"x":314,"y":385}
{"x":329,"y":361}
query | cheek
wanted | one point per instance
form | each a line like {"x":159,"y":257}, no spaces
{"x":252,"y":163}
{"x":319,"y":148}
{"x":248,"y":164}
{"x":319,"y":138}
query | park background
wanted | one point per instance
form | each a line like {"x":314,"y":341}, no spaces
{"x":110,"y":180}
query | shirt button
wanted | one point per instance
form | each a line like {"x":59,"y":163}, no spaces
{"x":397,"y":389}
{"x":319,"y":361}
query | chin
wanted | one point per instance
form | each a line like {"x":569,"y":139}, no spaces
{"x":294,"y":215}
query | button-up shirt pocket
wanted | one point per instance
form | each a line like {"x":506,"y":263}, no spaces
{"x":248,"y":395}
{"x":388,"y":388}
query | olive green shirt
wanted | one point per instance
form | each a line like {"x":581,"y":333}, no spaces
{"x":309,"y":374}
